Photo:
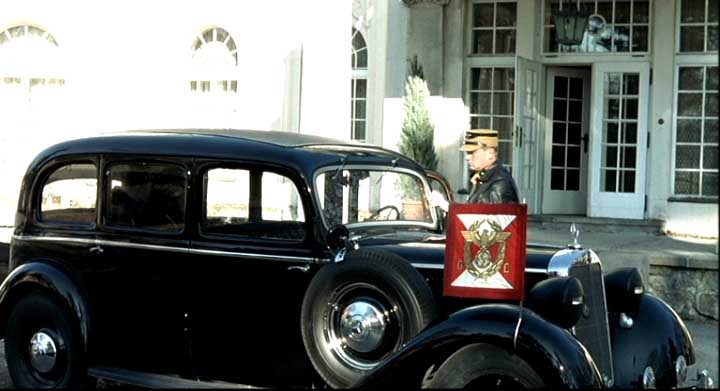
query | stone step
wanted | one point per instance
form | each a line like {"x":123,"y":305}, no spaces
{"x":596,"y":224}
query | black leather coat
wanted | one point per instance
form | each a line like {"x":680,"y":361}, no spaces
{"x":494,"y":185}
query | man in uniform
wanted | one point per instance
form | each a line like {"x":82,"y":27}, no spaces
{"x":491,"y":183}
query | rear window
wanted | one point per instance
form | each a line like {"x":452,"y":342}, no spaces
{"x":69,"y":194}
{"x":147,"y":196}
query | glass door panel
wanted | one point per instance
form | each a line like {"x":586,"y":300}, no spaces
{"x":528,"y":79}
{"x":568,"y":98}
{"x":619,"y":125}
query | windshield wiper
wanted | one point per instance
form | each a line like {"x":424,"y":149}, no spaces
{"x":393,"y":163}
{"x":342,"y":165}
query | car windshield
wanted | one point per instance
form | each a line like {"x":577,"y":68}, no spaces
{"x":361,"y":196}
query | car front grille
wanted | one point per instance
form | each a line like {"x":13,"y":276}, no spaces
{"x":592,"y":329}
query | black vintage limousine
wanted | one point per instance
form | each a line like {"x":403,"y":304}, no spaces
{"x":224,"y":258}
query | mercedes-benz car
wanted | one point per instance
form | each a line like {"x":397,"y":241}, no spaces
{"x":193,"y":258}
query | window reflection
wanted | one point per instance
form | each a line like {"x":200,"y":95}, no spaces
{"x":614,"y":26}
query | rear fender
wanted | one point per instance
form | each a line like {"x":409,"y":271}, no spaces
{"x":559,"y":359}
{"x":656,"y":338}
{"x":46,"y":276}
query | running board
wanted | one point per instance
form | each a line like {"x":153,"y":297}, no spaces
{"x":153,"y":380}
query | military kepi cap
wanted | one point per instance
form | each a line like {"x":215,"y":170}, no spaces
{"x":480,"y":138}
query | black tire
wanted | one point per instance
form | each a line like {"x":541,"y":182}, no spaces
{"x":38,"y":315}
{"x":484,"y":366}
{"x":365,"y":284}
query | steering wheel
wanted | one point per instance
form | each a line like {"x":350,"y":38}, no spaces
{"x":388,"y":210}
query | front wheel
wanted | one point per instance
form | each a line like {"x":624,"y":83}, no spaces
{"x":485,"y":367}
{"x":43,"y":346}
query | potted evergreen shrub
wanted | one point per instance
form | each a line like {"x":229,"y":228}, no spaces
{"x":417,"y":140}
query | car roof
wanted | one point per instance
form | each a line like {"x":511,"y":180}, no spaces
{"x":303,"y":152}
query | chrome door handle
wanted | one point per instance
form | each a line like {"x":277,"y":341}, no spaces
{"x":303,"y":268}
{"x":96,"y":250}
{"x":518,"y":136}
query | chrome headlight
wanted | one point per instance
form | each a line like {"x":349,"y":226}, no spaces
{"x":648,"y":378}
{"x":681,"y":370}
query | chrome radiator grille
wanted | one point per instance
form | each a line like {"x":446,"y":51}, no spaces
{"x":592,"y":329}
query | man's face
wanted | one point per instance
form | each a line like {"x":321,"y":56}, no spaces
{"x":481,"y":158}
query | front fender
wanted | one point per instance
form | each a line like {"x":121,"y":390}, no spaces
{"x":50,"y":278}
{"x":559,"y":359}
{"x":657,"y":337}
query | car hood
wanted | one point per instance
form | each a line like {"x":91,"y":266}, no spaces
{"x":415,"y":246}
{"x":429,"y":248}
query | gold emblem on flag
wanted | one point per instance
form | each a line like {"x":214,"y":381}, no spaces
{"x":482,"y":265}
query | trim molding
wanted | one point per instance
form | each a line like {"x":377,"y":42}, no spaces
{"x":185,"y":250}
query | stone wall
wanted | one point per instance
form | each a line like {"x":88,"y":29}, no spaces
{"x":692,"y":292}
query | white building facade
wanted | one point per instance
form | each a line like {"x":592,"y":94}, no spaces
{"x":623,"y":125}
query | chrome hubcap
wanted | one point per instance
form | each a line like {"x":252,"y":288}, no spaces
{"x":362,"y":326}
{"x":43,"y":352}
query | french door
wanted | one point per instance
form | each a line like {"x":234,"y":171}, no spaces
{"x":566,"y":141}
{"x":618,"y":140}
{"x":525,"y":137}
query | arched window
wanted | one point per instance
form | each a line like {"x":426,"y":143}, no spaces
{"x":30,"y":68}
{"x":359,"y":64}
{"x":214,"y":63}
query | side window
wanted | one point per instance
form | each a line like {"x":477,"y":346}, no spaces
{"x":147,"y":195}
{"x":69,"y":194}
{"x":280,"y":199}
{"x":253,"y":204}
{"x":227,"y":198}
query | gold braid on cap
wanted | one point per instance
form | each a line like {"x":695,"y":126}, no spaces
{"x":482,"y":137}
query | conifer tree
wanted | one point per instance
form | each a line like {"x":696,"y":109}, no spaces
{"x":417,"y":140}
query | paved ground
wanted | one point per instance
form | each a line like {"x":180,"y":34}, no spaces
{"x":705,"y":339}
{"x":620,"y":244}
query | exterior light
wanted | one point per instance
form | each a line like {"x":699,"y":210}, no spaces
{"x":570,"y":25}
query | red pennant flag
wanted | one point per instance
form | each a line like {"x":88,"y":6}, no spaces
{"x":485,"y":251}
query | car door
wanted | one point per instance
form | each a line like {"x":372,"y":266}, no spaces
{"x":142,"y":246}
{"x":253,"y":256}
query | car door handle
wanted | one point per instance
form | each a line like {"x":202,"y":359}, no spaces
{"x":303,"y":268}
{"x":96,"y":250}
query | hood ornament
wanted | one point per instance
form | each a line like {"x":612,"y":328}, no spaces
{"x":574,"y":234}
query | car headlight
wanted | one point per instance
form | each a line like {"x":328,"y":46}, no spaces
{"x":624,"y":288}
{"x":681,"y":370}
{"x":648,"y":378}
{"x":559,"y":300}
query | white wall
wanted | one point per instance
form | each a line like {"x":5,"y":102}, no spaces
{"x":127,"y":65}
{"x":659,"y":165}
{"x":325,"y":108}
{"x":691,"y":219}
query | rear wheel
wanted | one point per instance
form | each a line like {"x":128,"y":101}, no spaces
{"x":484,"y":366}
{"x":358,"y":311}
{"x":43,"y":345}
